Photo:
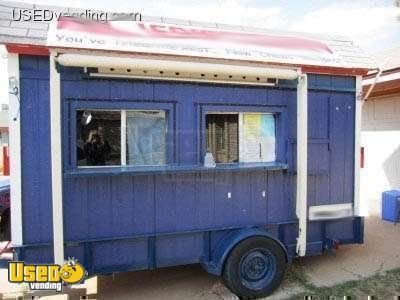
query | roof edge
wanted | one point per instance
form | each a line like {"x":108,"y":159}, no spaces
{"x":39,"y":50}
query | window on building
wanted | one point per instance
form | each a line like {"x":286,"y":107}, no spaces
{"x":146,"y":137}
{"x":99,"y":136}
{"x":241,"y":137}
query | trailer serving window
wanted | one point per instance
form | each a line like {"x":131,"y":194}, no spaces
{"x":98,"y":138}
{"x":223,"y":137}
{"x":121,"y":137}
{"x":241,"y":137}
{"x":145,"y":138}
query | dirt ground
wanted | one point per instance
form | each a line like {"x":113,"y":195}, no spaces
{"x":354,"y":263}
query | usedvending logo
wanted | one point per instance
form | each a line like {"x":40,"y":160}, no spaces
{"x":46,"y":276}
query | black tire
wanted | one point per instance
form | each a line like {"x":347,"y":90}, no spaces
{"x":255,"y":267}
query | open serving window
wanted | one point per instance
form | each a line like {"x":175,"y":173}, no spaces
{"x":241,"y":137}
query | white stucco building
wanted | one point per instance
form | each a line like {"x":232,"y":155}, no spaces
{"x":380,"y":135}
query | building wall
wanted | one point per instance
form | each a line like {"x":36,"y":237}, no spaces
{"x":380,"y":138}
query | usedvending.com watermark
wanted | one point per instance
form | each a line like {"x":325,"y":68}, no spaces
{"x":40,"y":15}
{"x":46,"y":276}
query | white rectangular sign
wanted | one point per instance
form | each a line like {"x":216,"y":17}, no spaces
{"x":258,"y":138}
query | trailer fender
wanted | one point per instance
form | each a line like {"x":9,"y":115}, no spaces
{"x":225,"y":246}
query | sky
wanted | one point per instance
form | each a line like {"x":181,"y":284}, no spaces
{"x":374,"y":25}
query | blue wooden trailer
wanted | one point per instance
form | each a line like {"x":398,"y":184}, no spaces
{"x":139,"y":153}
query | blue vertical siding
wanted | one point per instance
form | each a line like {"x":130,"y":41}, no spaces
{"x":129,"y":221}
{"x":35,"y":150}
{"x":342,"y":147}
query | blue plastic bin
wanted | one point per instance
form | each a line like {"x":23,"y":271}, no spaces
{"x":391,"y":205}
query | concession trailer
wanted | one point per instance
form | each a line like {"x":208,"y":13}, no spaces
{"x":140,"y":145}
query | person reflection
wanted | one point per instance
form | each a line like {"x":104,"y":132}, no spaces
{"x":96,"y":149}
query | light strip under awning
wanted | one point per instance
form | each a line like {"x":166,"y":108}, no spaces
{"x":157,"y":68}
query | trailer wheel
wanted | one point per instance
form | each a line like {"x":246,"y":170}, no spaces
{"x":254,"y":268}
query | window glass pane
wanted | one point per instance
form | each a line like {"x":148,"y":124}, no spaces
{"x":258,"y":138}
{"x":146,"y":137}
{"x":98,"y":138}
{"x":223,"y":137}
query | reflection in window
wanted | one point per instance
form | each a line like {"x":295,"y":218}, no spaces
{"x":146,"y":137}
{"x":98,"y":138}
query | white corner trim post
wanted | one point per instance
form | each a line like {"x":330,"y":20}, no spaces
{"x":301,"y":184}
{"x":360,"y":207}
{"x":15,"y":150}
{"x":56,"y":162}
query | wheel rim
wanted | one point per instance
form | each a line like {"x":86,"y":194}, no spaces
{"x":257,"y":268}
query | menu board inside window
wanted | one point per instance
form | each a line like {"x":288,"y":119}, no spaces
{"x":257,"y":142}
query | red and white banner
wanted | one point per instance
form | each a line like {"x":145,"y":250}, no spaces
{"x":155,"y":38}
